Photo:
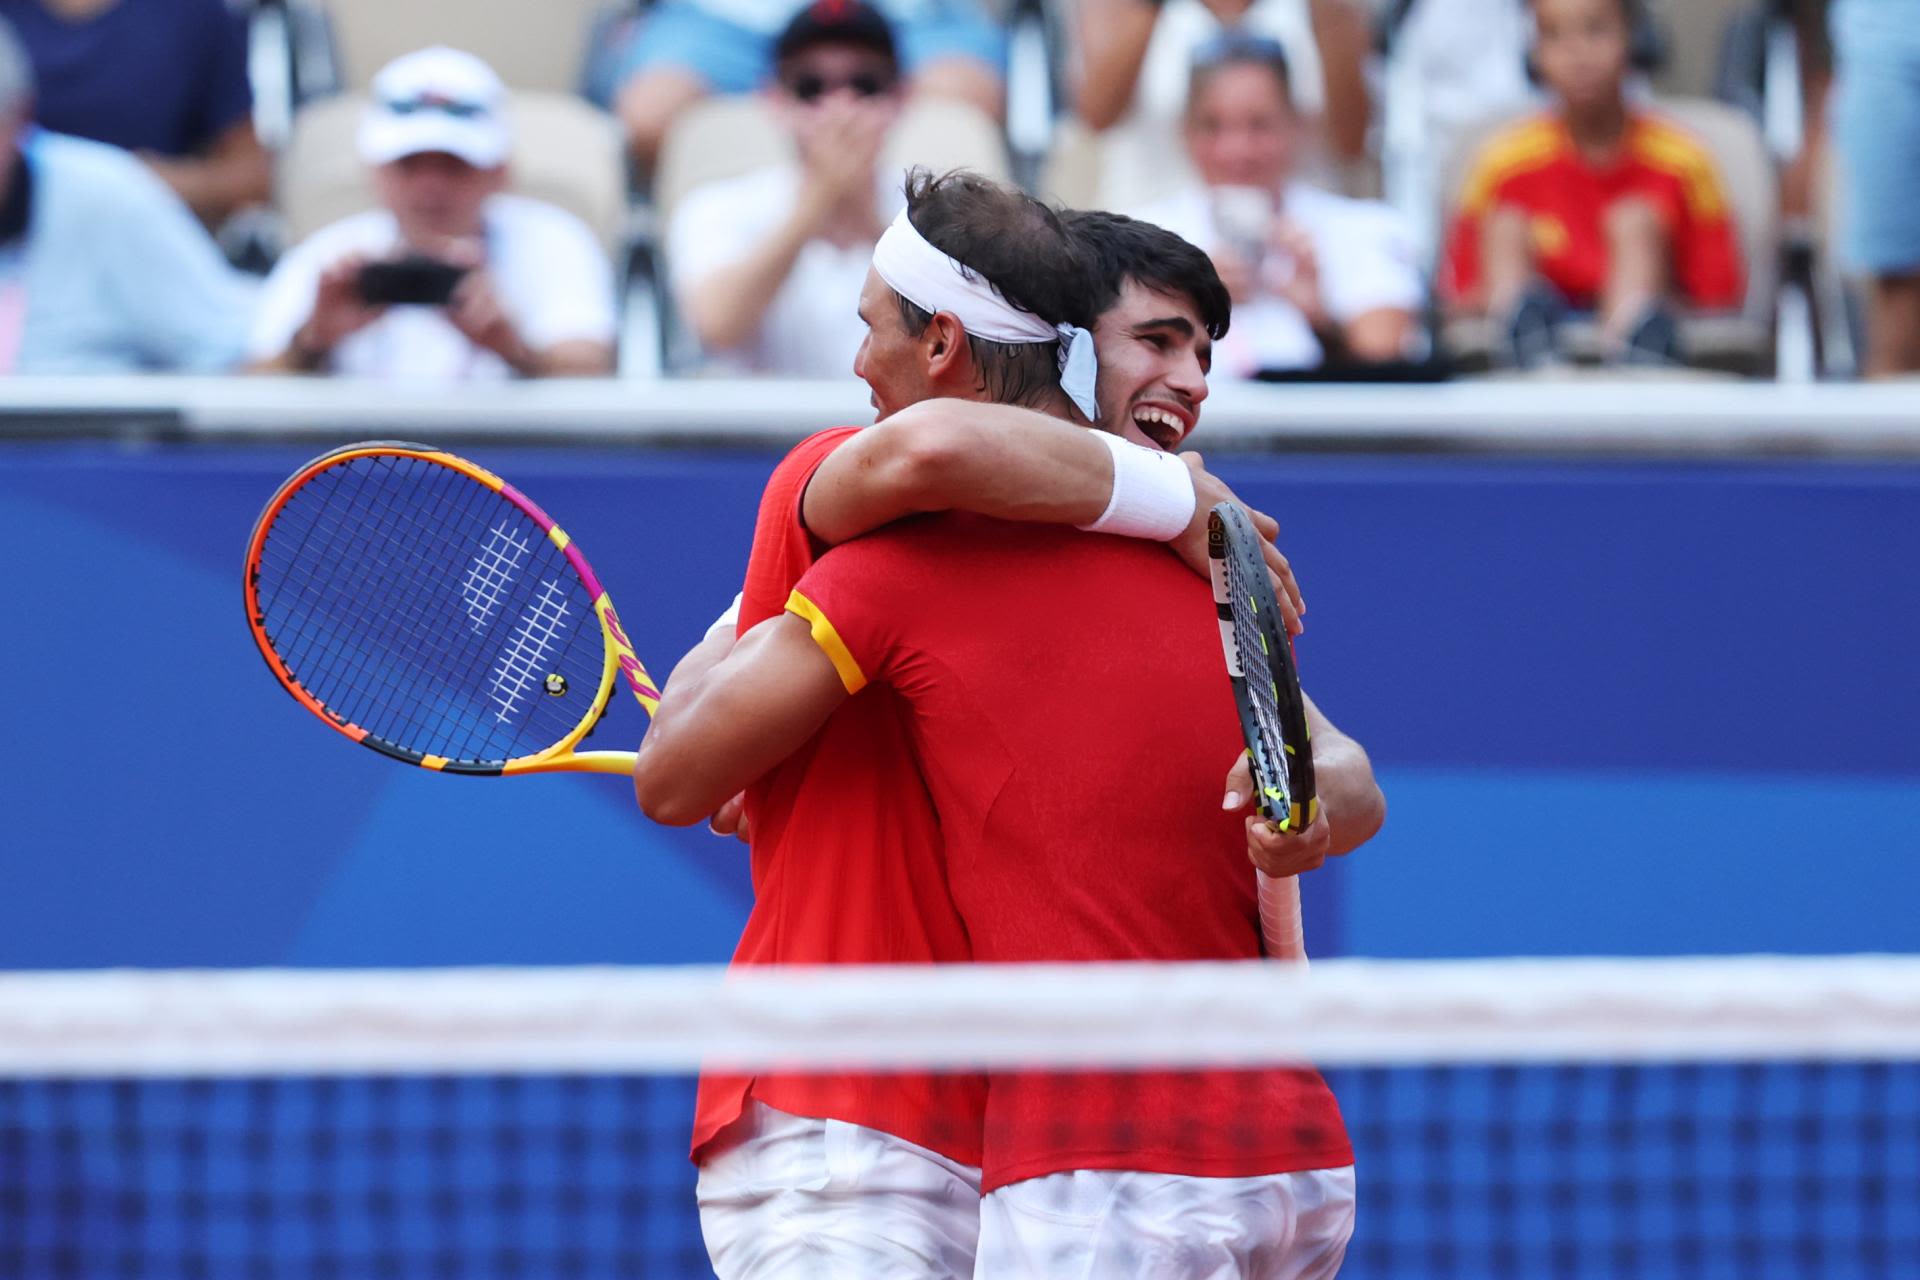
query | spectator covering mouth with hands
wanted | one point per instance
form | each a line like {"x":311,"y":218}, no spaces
{"x":766,"y":266}
{"x":451,"y":279}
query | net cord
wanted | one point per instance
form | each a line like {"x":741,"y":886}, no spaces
{"x":672,"y":1019}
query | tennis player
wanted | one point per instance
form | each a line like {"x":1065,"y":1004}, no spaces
{"x":830,"y":888}
{"x":741,"y":738}
{"x":871,"y":1175}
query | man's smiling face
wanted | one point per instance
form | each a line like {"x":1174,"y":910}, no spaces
{"x":1154,"y":357}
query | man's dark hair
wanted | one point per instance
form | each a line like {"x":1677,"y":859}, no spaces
{"x":1020,"y":247}
{"x":1124,"y":249}
{"x":1646,"y":42}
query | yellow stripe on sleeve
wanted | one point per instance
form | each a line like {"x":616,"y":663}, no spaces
{"x":1680,"y":154}
{"x":829,"y":641}
{"x":1511,"y":152}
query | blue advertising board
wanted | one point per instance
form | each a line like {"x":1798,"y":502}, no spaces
{"x":1617,"y":708}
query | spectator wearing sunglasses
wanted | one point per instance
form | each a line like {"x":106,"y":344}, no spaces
{"x":1318,"y":281}
{"x":766,"y":266}
{"x":686,"y":50}
{"x":451,"y":279}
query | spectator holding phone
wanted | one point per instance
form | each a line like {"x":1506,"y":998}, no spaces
{"x":451,"y":279}
{"x":1319,"y":281}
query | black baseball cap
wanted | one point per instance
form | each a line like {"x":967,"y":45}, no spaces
{"x":837,"y":22}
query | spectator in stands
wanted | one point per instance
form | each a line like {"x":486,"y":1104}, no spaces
{"x":1450,"y":66}
{"x":1317,"y":279}
{"x":165,"y":79}
{"x":1597,"y":202}
{"x":451,"y":279}
{"x":102,"y":268}
{"x":1876,"y":131}
{"x":1135,"y":56}
{"x":687,"y":50}
{"x":766,"y":266}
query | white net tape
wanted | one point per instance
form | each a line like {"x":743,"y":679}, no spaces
{"x":124,"y":1022}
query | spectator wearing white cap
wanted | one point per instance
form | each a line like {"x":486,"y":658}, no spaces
{"x":451,"y":279}
{"x":102,"y":268}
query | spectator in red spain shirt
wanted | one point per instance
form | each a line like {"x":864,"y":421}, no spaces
{"x":1596,"y":203}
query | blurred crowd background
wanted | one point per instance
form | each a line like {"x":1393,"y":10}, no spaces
{"x":1393,"y":190}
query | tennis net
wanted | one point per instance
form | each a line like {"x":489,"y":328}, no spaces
{"x":1742,"y":1117}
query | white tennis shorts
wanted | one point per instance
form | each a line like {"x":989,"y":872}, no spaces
{"x":795,"y":1198}
{"x":1091,"y":1224}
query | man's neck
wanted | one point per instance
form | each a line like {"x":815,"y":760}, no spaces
{"x":1055,"y":404}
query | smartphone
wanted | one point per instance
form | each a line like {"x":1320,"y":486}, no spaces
{"x":415,"y":281}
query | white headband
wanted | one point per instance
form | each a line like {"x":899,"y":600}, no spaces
{"x":932,"y":281}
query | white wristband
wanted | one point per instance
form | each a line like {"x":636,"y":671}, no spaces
{"x":727,"y":621}
{"x":1152,"y":493}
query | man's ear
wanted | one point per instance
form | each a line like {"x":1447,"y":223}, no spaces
{"x":948,"y":354}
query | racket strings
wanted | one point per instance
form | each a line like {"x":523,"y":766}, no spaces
{"x":1256,"y":665}
{"x":445,"y":484}
{"x":463,"y":499}
{"x":333,"y":612}
{"x":357,"y":699}
{"x":367,"y":581}
{"x":485,"y":509}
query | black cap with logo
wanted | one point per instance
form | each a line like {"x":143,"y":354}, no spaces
{"x":852,"y":22}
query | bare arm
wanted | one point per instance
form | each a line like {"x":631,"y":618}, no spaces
{"x":701,"y":659}
{"x":233,"y":173}
{"x":725,"y":308}
{"x":1114,"y":35}
{"x":959,"y":455}
{"x":1378,"y":336}
{"x":730,"y":818}
{"x":1352,"y":807}
{"x":575,"y":358}
{"x":1343,"y":775}
{"x":1006,"y":462}
{"x":1344,"y":37}
{"x":337,"y":313}
{"x":723,"y":727}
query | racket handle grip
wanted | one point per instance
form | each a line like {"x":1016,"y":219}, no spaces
{"x":1281,"y":927}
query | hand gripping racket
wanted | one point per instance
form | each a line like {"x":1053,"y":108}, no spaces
{"x":424,"y":607}
{"x":1273,"y":715}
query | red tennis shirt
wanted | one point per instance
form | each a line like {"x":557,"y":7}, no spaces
{"x":1074,"y":724}
{"x":1535,"y":166}
{"x":848,"y":867}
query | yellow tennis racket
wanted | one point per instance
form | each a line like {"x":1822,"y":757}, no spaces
{"x":426,"y":608}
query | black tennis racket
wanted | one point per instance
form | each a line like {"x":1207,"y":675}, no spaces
{"x":1273,"y":714}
